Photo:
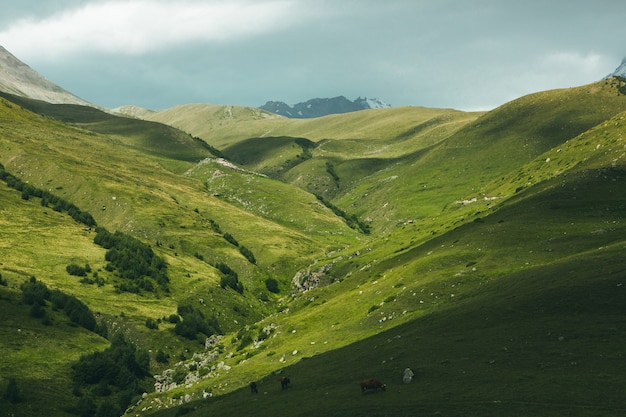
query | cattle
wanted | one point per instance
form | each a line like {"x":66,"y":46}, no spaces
{"x":253,"y":388}
{"x":372,"y":384}
{"x":284,"y":382}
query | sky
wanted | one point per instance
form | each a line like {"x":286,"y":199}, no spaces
{"x":462,"y":54}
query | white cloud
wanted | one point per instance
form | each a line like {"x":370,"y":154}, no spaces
{"x":142,"y":26}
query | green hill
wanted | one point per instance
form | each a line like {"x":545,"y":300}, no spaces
{"x":493,"y":268}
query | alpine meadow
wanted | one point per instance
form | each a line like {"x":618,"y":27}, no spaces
{"x":156,"y":263}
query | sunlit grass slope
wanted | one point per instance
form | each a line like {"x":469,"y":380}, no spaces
{"x":494,"y":269}
{"x":518,"y":312}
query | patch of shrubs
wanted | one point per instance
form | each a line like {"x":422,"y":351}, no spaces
{"x":121,"y":366}
{"x":134,"y":261}
{"x":47,"y":199}
{"x":229,"y":278}
{"x":247,"y":253}
{"x":36,"y":293}
{"x":194,"y":324}
{"x":78,"y":270}
{"x":352,"y":220}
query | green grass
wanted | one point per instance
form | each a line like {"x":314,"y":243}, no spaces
{"x":505,"y":306}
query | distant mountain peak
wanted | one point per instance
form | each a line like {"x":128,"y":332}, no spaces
{"x":620,"y":71}
{"x":19,"y":79}
{"x":318,"y":107}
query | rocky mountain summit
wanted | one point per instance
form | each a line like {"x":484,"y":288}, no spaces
{"x":619,"y":71}
{"x":20,"y":79}
{"x":318,"y":107}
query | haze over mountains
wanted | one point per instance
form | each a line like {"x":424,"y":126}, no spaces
{"x":482,"y":250}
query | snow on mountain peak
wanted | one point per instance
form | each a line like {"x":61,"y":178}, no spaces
{"x":619,"y":71}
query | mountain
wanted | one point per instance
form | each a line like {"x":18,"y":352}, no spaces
{"x":19,"y":79}
{"x":620,"y":71}
{"x":482,"y":250}
{"x":319,"y":107}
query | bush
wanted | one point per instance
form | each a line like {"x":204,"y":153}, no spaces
{"x":37,"y":311}
{"x":133,"y":260}
{"x":194,"y":323}
{"x":120,"y":365}
{"x":76,"y":270}
{"x":161,"y":357}
{"x":230,"y":239}
{"x":34,"y":291}
{"x":151,"y":324}
{"x":247,"y":253}
{"x":230,"y":278}
{"x":272,"y":285}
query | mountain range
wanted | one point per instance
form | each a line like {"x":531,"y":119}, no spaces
{"x":319,"y":107}
{"x":155,"y":263}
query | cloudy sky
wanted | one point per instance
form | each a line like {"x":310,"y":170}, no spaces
{"x":463,"y":54}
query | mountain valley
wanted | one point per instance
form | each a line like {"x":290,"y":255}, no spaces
{"x":482,"y":250}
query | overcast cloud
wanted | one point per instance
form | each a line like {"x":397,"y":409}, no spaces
{"x":464,"y":54}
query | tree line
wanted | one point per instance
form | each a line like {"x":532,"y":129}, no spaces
{"x":35,"y":293}
{"x":47,"y":199}
{"x":352,"y":220}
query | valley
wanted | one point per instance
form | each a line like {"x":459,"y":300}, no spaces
{"x":482,"y":250}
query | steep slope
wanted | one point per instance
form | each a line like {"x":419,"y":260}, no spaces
{"x":494,"y":269}
{"x":142,"y":192}
{"x":19,"y":79}
{"x":518,"y":311}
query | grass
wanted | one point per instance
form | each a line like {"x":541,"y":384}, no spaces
{"x":506,"y":306}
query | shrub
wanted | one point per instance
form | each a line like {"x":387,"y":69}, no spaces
{"x":134,"y":261}
{"x":230,"y":278}
{"x":272,"y":285}
{"x":34,"y":291}
{"x":194,"y":323}
{"x":76,"y":270}
{"x":161,"y":357}
{"x":230,"y":239}
{"x":37,"y":311}
{"x":151,"y":324}
{"x":247,"y":253}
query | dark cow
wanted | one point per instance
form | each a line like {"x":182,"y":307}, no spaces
{"x":373,"y":384}
{"x":284,"y":382}
{"x":253,"y":388}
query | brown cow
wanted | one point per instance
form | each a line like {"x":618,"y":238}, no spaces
{"x":372,"y":384}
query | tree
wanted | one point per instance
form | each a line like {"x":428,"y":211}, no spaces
{"x":272,"y":285}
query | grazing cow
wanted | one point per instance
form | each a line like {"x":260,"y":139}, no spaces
{"x":284,"y":382}
{"x":253,"y":388}
{"x":373,"y":384}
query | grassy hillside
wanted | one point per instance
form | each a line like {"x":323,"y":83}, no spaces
{"x":516,"y":312}
{"x":493,"y":269}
